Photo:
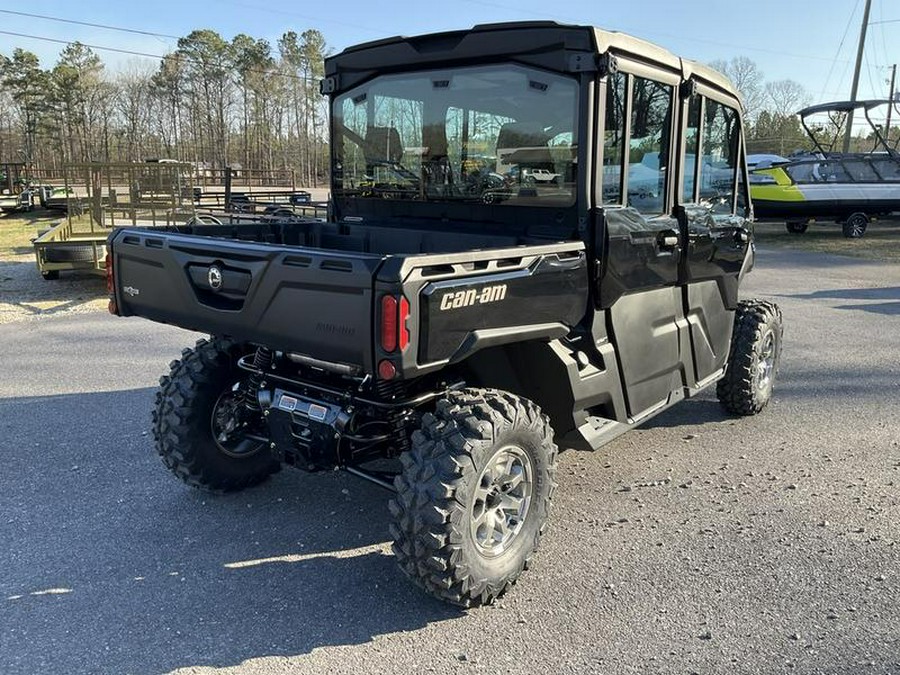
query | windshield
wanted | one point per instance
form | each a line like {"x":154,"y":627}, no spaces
{"x":500,"y":134}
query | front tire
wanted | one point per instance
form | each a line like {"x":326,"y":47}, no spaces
{"x":474,"y":495}
{"x":196,"y":408}
{"x":754,"y":358}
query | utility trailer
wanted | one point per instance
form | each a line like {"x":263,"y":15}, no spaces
{"x":444,"y":345}
{"x":99,"y":196}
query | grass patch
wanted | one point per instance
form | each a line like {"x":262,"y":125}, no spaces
{"x":880,"y":242}
{"x":16,"y":232}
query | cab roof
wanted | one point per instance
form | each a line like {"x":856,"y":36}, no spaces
{"x":482,"y":41}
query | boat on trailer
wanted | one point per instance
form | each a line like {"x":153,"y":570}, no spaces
{"x":847,"y":188}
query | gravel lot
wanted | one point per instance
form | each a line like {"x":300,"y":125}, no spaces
{"x":697,"y":544}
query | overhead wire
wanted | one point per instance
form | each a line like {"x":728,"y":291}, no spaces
{"x":160,"y":57}
{"x":838,"y":52}
{"x":89,"y":24}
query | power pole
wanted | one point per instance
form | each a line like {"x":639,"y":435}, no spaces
{"x":887,"y":125}
{"x":859,"y":58}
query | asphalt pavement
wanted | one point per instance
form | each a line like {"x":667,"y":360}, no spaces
{"x":696,"y":544}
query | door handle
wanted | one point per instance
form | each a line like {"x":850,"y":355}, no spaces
{"x":667,"y":239}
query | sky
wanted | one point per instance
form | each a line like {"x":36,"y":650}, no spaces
{"x":810,"y":41}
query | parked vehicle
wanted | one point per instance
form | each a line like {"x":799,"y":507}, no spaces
{"x":444,"y":347}
{"x":847,"y":188}
{"x":61,"y":198}
{"x":540,"y":176}
{"x":17,"y":201}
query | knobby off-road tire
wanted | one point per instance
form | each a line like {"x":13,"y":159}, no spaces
{"x":199,"y":384}
{"x":481,"y":464}
{"x":754,"y":358}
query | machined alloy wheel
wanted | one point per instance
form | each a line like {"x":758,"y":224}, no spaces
{"x":501,"y":500}
{"x":765,"y":364}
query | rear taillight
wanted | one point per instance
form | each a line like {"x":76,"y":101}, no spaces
{"x":110,"y":283}
{"x":389,"y":323}
{"x":109,"y":273}
{"x":402,"y":327}
{"x":394,"y":316}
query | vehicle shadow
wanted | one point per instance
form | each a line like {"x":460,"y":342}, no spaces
{"x":113,"y":565}
{"x":695,"y":411}
{"x":889,"y":294}
{"x":38,"y":216}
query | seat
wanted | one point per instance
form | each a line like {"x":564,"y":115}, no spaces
{"x":382,"y":144}
{"x":525,"y":144}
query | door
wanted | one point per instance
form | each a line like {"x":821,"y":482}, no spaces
{"x":640,"y":239}
{"x":712,"y":218}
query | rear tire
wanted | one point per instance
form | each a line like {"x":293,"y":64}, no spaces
{"x":50,"y":275}
{"x":190,"y":405}
{"x":754,"y":358}
{"x":855,"y":225}
{"x":797,"y":226}
{"x":474,"y":495}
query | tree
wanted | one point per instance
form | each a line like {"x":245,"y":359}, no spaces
{"x":167,"y":91}
{"x":785,"y":97}
{"x":207,"y":60}
{"x":26,"y":84}
{"x":134,"y":104}
{"x":254,"y":62}
{"x":777,"y":134}
{"x":211,"y":101}
{"x":304,"y":59}
{"x":80,"y":98}
{"x":748,"y":79}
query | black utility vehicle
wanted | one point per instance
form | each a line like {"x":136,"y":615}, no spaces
{"x":458,"y":339}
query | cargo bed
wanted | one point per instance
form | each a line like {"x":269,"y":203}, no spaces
{"x":270,"y":284}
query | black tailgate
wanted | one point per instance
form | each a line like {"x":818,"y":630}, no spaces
{"x":289,"y":298}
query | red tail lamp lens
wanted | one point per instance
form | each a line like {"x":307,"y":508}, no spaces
{"x":404,"y":329}
{"x":386,"y":370}
{"x":388,"y":324}
{"x":111,"y":284}
{"x":109,"y":273}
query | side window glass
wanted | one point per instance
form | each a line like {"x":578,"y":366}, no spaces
{"x":888,"y":168}
{"x":614,"y":139}
{"x":804,"y":172}
{"x":691,"y":136}
{"x":721,"y":137}
{"x":860,"y":170}
{"x":648,"y":161}
{"x":742,"y":200}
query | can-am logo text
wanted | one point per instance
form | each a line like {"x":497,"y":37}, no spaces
{"x":473,"y":297}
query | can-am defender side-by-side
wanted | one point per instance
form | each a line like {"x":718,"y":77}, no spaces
{"x":441,"y":343}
